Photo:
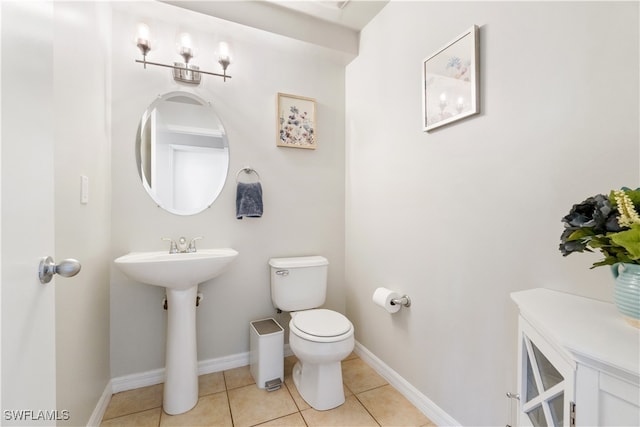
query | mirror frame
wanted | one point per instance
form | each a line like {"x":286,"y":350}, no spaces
{"x":143,"y":120}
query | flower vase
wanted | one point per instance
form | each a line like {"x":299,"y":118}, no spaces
{"x":626,"y":293}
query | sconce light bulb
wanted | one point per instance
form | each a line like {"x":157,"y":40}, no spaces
{"x":224,"y":53}
{"x":185,"y":41}
{"x":143,"y":31}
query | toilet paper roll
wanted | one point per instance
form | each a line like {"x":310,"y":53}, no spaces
{"x":383,"y":297}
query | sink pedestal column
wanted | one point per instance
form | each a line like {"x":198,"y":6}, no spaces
{"x":181,"y":364}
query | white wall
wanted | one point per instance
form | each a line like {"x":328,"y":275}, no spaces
{"x":460,"y":217}
{"x":303,"y":189}
{"x":82,"y":147}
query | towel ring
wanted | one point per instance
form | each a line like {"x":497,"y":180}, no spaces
{"x":248,"y":171}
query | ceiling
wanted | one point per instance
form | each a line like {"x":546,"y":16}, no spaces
{"x":332,"y":24}
{"x":353,"y":14}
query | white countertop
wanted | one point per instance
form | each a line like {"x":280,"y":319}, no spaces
{"x":593,"y":331}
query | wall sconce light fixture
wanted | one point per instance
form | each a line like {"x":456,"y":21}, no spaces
{"x":183,"y":72}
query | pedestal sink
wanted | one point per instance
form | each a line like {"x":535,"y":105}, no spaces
{"x":180,"y":274}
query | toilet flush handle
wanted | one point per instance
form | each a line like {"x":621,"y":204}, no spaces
{"x":282,"y":272}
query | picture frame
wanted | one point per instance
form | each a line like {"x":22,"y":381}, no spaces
{"x":296,"y":122}
{"x":450,"y":81}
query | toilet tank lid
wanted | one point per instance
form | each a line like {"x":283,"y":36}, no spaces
{"x":302,"y":261}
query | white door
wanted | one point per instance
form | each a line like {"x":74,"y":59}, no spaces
{"x":28,"y":365}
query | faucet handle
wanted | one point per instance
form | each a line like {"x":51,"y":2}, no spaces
{"x":192,"y":244}
{"x":173,"y":249}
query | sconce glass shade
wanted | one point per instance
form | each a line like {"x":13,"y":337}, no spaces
{"x":224,"y":55}
{"x":185,"y":46}
{"x":224,"y":52}
{"x":143,"y":38}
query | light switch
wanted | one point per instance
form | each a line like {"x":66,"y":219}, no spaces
{"x":84,"y":189}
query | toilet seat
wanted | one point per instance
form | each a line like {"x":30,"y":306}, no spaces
{"x":321,"y":325}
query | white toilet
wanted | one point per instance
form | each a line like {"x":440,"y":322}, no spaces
{"x":319,"y":338}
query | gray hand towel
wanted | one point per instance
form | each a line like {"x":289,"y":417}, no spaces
{"x":249,"y":200}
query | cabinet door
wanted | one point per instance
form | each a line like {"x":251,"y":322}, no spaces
{"x":546,"y":381}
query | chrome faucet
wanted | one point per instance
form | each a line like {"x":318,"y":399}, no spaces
{"x":192,"y":244}
{"x":173,"y":249}
{"x":181,"y":246}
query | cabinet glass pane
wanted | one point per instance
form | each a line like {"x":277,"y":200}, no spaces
{"x":532,"y":389}
{"x":550,"y":375}
{"x":536,"y":415}
{"x":556,"y":405}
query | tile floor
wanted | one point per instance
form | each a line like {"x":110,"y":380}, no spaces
{"x":231,"y":398}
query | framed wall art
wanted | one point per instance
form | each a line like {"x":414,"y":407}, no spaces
{"x":450,"y":79}
{"x":296,"y":122}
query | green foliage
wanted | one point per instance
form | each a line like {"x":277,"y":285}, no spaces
{"x":634,"y":195}
{"x":595,"y":224}
{"x":629,"y":240}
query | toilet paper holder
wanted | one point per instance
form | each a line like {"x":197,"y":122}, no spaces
{"x":404,"y":300}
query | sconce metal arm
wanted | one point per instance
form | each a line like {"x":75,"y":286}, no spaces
{"x":145,"y":62}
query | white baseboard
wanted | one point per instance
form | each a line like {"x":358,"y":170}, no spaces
{"x":133,"y":381}
{"x":101,"y":407}
{"x":223,"y":363}
{"x":156,"y":376}
{"x":413,"y":395}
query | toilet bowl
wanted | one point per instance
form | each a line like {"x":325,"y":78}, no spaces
{"x":320,"y":339}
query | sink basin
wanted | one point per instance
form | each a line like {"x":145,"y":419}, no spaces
{"x":175,"y":271}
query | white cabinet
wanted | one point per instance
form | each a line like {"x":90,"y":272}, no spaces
{"x":579,"y":362}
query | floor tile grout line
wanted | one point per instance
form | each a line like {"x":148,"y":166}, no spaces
{"x":304,"y":420}
{"x":229,"y":406}
{"x":226,"y":392}
{"x":291,"y":395}
{"x":367,"y":409}
{"x":295,"y":404}
{"x":294,"y":401}
{"x":132,"y":413}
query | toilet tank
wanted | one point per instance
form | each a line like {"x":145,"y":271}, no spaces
{"x":298,"y":283}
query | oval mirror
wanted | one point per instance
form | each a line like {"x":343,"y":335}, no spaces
{"x":182,"y":153}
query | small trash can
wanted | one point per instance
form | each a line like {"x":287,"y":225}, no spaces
{"x":266,"y":353}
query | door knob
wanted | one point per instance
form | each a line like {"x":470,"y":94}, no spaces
{"x":67,"y":268}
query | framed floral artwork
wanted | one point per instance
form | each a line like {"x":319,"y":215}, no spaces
{"x":296,"y":122}
{"x":450,"y":81}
